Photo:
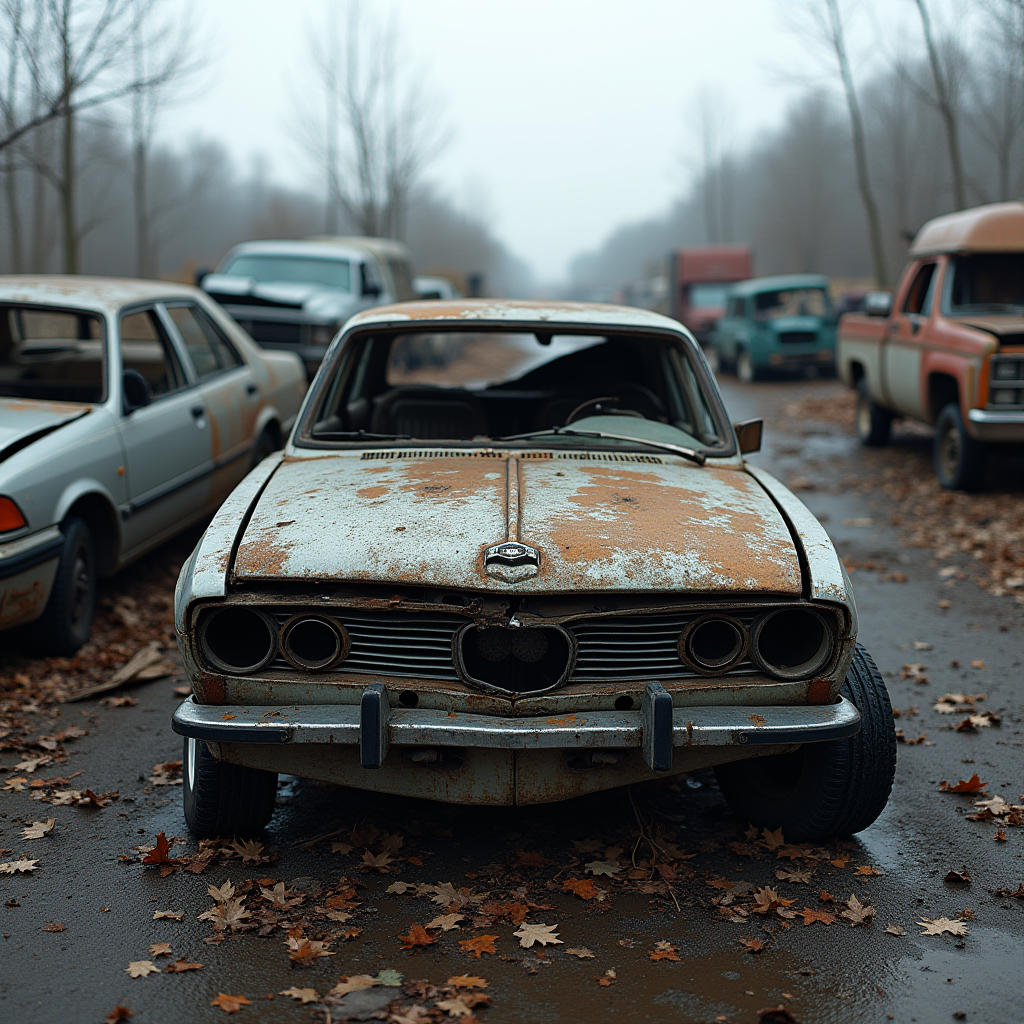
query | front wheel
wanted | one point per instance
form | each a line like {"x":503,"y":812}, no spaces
{"x":66,"y":621}
{"x":959,"y":460}
{"x":874,"y":424}
{"x":826,"y":789}
{"x":223,"y":799}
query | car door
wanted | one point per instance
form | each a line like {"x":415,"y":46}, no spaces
{"x":166,"y":442}
{"x":904,"y":344}
{"x":228,"y":389}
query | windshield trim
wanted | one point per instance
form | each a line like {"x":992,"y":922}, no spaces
{"x":302,"y":436}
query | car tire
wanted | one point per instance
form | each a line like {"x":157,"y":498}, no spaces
{"x":823,"y":790}
{"x":266,"y":444}
{"x":224,"y":799}
{"x":960,"y":461}
{"x":66,"y":622}
{"x":874,"y":424}
{"x":746,"y":371}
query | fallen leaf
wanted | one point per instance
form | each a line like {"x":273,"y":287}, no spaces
{"x":977,"y":663}
{"x":390,"y":978}
{"x":961,"y":877}
{"x":141,"y":968}
{"x":303,"y":951}
{"x":223,"y":892}
{"x":226,"y":915}
{"x":53,"y":926}
{"x":418,"y":936}
{"x":479,"y":944}
{"x":281,"y":896}
{"x":607,"y":979}
{"x":180,"y":966}
{"x":664,"y":951}
{"x":400,"y":887}
{"x":971,"y":785}
{"x":810,"y":916}
{"x":230,"y":1004}
{"x":160,"y":949}
{"x":21,"y":865}
{"x":528,"y":934}
{"x":174,"y":915}
{"x":15,"y":785}
{"x":376,"y":862}
{"x":580,"y":951}
{"x":895,"y":929}
{"x":773,"y":840}
{"x":303,"y":995}
{"x":354,"y":983}
{"x":752,"y":945}
{"x":866,"y":869}
{"x":119,"y":1013}
{"x":604,"y":867}
{"x":38,"y":829}
{"x":794,"y":875}
{"x":939,"y":925}
{"x":249,"y":850}
{"x":582,"y":887}
{"x":466,"y":981}
{"x":158,"y":855}
{"x":446,"y":922}
{"x":32,"y":763}
{"x":858,"y":913}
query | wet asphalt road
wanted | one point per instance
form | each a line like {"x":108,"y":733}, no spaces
{"x":835,"y":973}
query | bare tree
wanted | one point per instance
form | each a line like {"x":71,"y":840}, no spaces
{"x":708,"y":119}
{"x":378,"y":131}
{"x":943,"y":72}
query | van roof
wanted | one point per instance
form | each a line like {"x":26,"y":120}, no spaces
{"x":997,"y":227}
{"x":778,"y":283}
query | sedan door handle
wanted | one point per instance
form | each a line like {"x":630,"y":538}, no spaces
{"x":251,"y":389}
{"x":198,"y":411}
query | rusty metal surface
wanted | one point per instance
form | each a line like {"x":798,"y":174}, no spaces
{"x":23,"y":597}
{"x":660,"y":527}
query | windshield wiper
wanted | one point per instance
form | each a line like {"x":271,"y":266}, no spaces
{"x":358,"y":435}
{"x":687,"y":453}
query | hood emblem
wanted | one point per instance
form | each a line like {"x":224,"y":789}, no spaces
{"x":511,"y":561}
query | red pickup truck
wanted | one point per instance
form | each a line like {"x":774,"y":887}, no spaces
{"x":947,"y":347}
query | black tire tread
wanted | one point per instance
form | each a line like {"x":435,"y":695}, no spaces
{"x":227,"y":799}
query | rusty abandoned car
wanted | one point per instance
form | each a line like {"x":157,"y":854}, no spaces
{"x":128,"y":411}
{"x":512,"y":553}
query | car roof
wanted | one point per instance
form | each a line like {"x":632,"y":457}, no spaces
{"x":997,"y":227}
{"x":518,"y":311}
{"x":326,"y":249}
{"x":779,"y":282}
{"x":382,"y":247}
{"x":99,"y":294}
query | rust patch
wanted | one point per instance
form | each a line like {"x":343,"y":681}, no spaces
{"x":818,"y":690}
{"x":377,"y":491}
{"x":568,"y":720}
{"x":264,"y":554}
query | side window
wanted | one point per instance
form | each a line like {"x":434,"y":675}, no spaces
{"x":919,"y":297}
{"x":146,"y":348}
{"x":209,"y":350}
{"x":370,"y":279}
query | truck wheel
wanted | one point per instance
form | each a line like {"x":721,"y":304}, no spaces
{"x":959,"y":460}
{"x":223,"y":799}
{"x":746,"y":371}
{"x":66,"y":621}
{"x":826,"y":789}
{"x":874,"y":424}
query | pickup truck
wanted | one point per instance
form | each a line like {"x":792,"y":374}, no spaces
{"x":947,"y":347}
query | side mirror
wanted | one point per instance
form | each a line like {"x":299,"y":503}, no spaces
{"x":878,"y":303}
{"x":748,"y":434}
{"x":199,"y":273}
{"x":135,"y":391}
{"x":371,"y":290}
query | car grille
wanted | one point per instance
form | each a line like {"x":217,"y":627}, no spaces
{"x":798,"y":338}
{"x":637,"y":647}
{"x":394,"y":644}
{"x":273,"y":332}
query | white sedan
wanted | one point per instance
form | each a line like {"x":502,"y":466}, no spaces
{"x":128,"y":411}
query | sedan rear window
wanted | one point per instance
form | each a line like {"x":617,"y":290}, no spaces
{"x":334,"y":274}
{"x":54,"y":355}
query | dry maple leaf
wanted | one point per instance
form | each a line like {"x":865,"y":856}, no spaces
{"x":446,"y":895}
{"x":939,"y":925}
{"x":446,"y":922}
{"x":226,"y":915}
{"x":609,"y":978}
{"x":158,"y":855}
{"x":794,"y":876}
{"x":858,"y":913}
{"x":895,"y":929}
{"x":479,"y":944}
{"x":418,"y":936}
{"x":32,"y":764}
{"x":15,"y":785}
{"x":141,"y":968}
{"x":664,"y":951}
{"x":249,"y":850}
{"x":376,"y":862}
{"x":174,"y":915}
{"x":971,"y":785}
{"x":466,"y":981}
{"x":752,"y":945}
{"x":766,"y":900}
{"x":38,"y":829}
{"x":961,"y":877}
{"x":22,"y":865}
{"x":580,"y":951}
{"x":304,"y":951}
{"x":180,"y":966}
{"x":400,"y":887}
{"x":282,"y":897}
{"x":773,"y":840}
{"x":866,"y":869}
{"x":119,"y":1013}
{"x":54,"y":926}
{"x":160,"y":949}
{"x":353,"y":983}
{"x":454,"y":1007}
{"x":604,"y":867}
{"x":528,"y":934}
{"x":222,"y":893}
{"x":230,"y":1004}
{"x":810,"y":916}
{"x":582,"y":887}
{"x":302,"y":995}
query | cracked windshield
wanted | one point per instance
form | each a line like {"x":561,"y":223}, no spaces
{"x":511,"y":513}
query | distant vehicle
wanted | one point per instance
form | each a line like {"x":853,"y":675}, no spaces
{"x":128,"y":411}
{"x":776,"y":324}
{"x":435,"y":288}
{"x":699,"y":281}
{"x":295,"y":295}
{"x":950,"y":350}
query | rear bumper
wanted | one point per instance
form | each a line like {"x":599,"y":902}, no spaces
{"x":657,"y":729}
{"x":993,"y":425}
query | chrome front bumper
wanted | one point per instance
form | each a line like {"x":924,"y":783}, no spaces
{"x":656,"y":728}
{"x":995,"y":425}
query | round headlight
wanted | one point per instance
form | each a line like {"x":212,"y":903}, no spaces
{"x":238,"y":640}
{"x":713,"y":644}
{"x":313,"y":642}
{"x":791,"y":643}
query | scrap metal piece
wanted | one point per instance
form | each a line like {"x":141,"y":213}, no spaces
{"x":656,"y":714}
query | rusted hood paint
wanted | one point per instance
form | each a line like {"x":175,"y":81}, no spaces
{"x":651,"y":525}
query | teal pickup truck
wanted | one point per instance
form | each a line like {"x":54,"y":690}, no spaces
{"x":774,"y":325}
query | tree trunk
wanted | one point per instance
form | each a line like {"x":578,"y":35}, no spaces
{"x":140,"y":198}
{"x":69,"y":225}
{"x":14,"y":217}
{"x":860,"y":152}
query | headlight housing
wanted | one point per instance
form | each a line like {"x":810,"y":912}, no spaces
{"x":237,"y":640}
{"x":791,"y":643}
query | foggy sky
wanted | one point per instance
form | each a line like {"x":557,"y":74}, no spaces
{"x":567,"y":117}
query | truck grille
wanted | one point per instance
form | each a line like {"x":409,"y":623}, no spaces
{"x":798,"y":338}
{"x":637,"y":647}
{"x":273,"y":332}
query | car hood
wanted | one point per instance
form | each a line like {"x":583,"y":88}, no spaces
{"x":600,"y":522}
{"x":23,"y":421}
{"x":312,"y":298}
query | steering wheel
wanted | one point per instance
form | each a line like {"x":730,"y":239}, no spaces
{"x":632,"y":400}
